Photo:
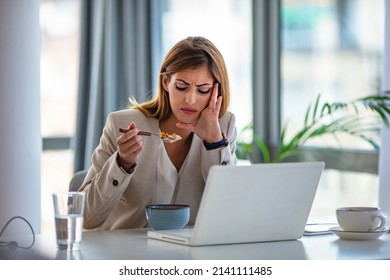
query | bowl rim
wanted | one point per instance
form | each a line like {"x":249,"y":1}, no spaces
{"x":166,"y":206}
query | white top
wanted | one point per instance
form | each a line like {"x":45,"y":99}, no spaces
{"x":166,"y":180}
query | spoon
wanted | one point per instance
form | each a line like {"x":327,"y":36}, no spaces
{"x":169,"y":138}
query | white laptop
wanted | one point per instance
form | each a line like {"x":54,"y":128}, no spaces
{"x":251,"y":203}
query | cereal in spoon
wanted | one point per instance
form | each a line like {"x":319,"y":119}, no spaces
{"x":169,"y":137}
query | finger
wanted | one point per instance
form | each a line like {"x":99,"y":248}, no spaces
{"x":130,"y":158}
{"x":218,"y":105}
{"x":134,"y":148}
{"x":131,"y":149}
{"x":214,"y":97}
{"x":130,"y":127}
{"x":128,"y":133}
{"x":128,"y":139}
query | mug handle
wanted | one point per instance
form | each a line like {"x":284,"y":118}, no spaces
{"x":382,"y":223}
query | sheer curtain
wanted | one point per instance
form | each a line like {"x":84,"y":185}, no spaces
{"x":115,"y":64}
{"x":384,"y":158}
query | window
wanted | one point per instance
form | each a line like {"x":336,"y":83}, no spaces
{"x":333,"y":48}
{"x":59,"y":22}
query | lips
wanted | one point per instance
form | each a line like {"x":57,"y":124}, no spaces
{"x":189,"y":111}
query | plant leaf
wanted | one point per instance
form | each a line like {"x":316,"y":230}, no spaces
{"x":307,"y":115}
{"x":263,"y":148}
{"x":283,"y":134}
{"x":315,"y":109}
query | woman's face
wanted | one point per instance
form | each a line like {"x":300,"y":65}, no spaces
{"x":189,"y":92}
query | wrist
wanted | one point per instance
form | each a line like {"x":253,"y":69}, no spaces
{"x":129,"y":168}
{"x":216,"y":145}
{"x":215,"y":138}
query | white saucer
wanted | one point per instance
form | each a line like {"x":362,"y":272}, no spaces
{"x":355,"y":235}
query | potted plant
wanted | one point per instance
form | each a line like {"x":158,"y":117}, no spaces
{"x":323,"y":118}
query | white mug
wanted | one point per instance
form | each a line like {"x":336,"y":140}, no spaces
{"x":361,"y":219}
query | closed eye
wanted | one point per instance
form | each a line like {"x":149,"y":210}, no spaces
{"x":204,"y":91}
{"x":181,"y":88}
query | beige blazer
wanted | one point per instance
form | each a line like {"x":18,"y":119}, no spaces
{"x":116,"y":199}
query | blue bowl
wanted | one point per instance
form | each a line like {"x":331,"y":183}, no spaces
{"x":167,"y":216}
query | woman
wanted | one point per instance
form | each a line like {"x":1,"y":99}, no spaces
{"x":130,"y":171}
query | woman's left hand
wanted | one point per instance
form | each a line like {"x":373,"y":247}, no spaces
{"x":207,"y":125}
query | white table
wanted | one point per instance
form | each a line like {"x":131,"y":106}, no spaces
{"x":134,"y":245}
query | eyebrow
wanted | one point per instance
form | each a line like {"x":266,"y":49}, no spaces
{"x":201,"y":85}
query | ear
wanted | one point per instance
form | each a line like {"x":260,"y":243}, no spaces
{"x":165,"y":82}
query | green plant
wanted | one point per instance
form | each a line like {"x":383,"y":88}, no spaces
{"x":327,"y":119}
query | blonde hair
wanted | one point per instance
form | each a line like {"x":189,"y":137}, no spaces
{"x":192,"y":52}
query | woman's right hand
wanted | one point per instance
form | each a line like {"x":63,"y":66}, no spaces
{"x":130,"y":146}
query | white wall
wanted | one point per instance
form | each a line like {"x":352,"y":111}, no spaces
{"x":384,"y":158}
{"x":20,"y":140}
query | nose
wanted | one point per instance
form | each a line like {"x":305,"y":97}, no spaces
{"x":191,"y":97}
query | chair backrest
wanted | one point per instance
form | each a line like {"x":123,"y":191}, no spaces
{"x":77,"y":180}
